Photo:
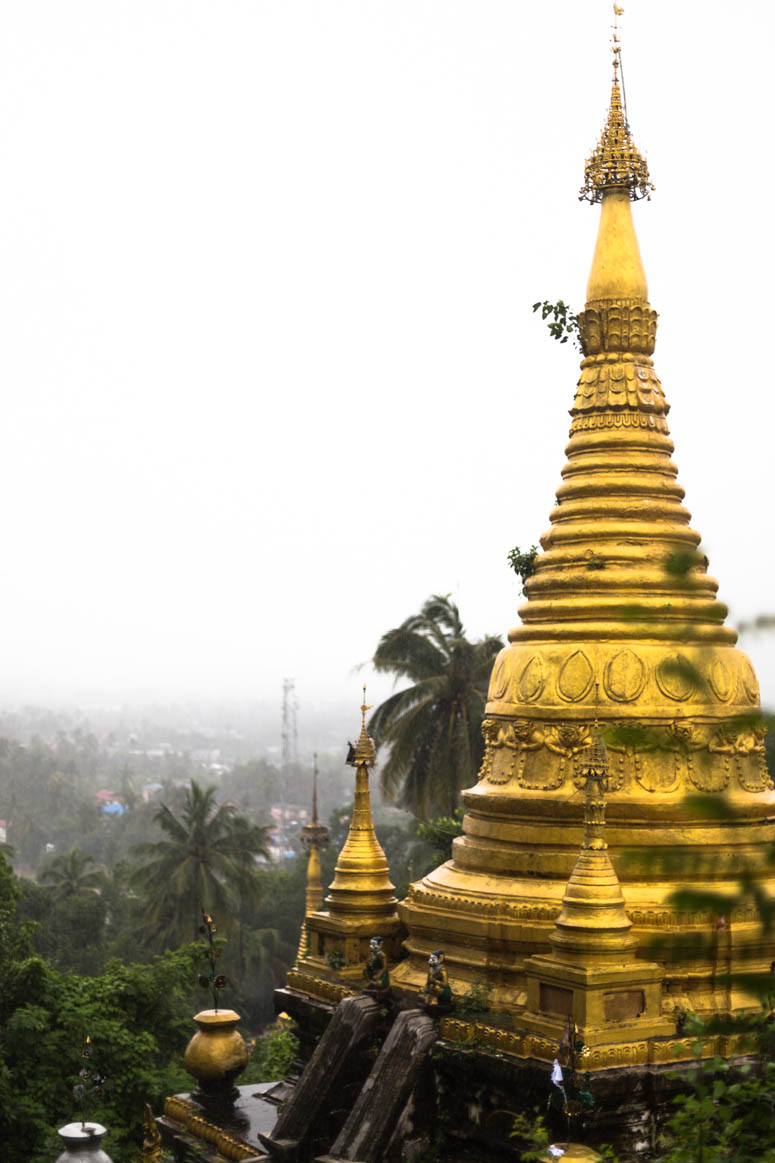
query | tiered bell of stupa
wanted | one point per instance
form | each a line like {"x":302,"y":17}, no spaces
{"x":621,"y":620}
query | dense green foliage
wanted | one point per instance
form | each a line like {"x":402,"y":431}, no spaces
{"x":440,"y":832}
{"x":432,"y":728}
{"x":138,"y":1018}
{"x":272,"y":1056}
{"x":726,"y":1116}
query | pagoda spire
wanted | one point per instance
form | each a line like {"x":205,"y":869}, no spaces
{"x":620,"y":620}
{"x":615,"y":163}
{"x":314,"y":836}
{"x":361,"y":902}
{"x":361,"y":884}
{"x":616,"y":174}
{"x":620,"y":560}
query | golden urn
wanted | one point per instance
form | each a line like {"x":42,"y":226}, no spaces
{"x":217,"y":1052}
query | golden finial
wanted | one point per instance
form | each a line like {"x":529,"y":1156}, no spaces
{"x":364,"y":708}
{"x":314,"y":833}
{"x":364,"y":750}
{"x":615,"y":163}
{"x":616,"y":47}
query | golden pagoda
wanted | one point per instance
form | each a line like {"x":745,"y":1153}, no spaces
{"x":622,"y":621}
{"x":361,"y":901}
{"x":313,"y":836}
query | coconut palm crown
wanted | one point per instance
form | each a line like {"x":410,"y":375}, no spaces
{"x":71,"y":873}
{"x":204,"y":860}
{"x":432,"y":728}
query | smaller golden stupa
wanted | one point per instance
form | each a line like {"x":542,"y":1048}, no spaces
{"x":361,"y":900}
{"x":314,"y":836}
{"x":592,"y":978}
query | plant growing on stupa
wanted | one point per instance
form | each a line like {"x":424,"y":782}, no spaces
{"x":523,"y":564}
{"x":335,"y":958}
{"x":564,"y":323}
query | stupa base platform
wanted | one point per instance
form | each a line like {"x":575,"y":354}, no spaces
{"x":489,"y":926}
{"x":501,"y":1071}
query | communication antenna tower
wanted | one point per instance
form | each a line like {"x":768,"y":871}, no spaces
{"x":289,"y":738}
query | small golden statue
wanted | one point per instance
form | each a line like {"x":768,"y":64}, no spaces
{"x":150,"y":1152}
{"x":437,"y":990}
{"x":376,"y":970}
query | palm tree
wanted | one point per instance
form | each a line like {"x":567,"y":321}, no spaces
{"x":432,"y":727}
{"x":70,"y":873}
{"x":205,"y":859}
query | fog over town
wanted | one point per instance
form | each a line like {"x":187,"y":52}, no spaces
{"x":270,"y":367}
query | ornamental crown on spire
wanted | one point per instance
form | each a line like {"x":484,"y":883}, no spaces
{"x":615,"y":162}
{"x":363,"y":753}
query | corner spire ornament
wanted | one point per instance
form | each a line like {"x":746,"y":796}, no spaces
{"x":313,"y":837}
{"x":361,"y":899}
{"x":615,"y":163}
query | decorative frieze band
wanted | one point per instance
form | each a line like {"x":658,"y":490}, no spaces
{"x":657,"y":918}
{"x":618,"y":325}
{"x":655,"y":1051}
{"x":580,"y":677}
{"x":589,"y":422}
{"x":180,"y":1110}
{"x":673,"y":758}
{"x":623,"y":384}
{"x":317,"y":987}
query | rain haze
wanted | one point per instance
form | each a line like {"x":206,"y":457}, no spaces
{"x":270,"y":369}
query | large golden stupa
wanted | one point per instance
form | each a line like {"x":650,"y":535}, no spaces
{"x":621,"y":623}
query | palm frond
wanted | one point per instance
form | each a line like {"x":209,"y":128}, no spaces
{"x":431,"y":729}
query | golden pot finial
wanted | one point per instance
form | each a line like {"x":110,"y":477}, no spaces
{"x":216,"y":1054}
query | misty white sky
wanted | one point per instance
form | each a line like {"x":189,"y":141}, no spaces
{"x":269,"y":369}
